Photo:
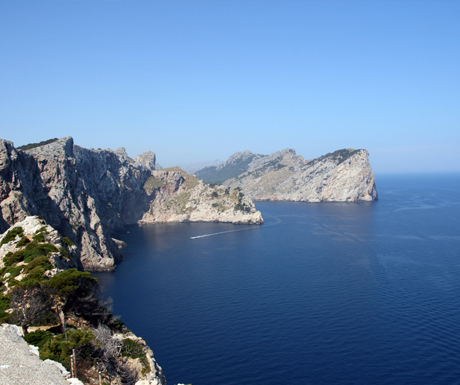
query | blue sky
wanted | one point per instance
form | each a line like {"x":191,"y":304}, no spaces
{"x":199,"y":80}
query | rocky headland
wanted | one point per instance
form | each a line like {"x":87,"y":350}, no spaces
{"x":341,"y":176}
{"x":90,"y":195}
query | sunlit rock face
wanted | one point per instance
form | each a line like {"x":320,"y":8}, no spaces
{"x":341,"y":176}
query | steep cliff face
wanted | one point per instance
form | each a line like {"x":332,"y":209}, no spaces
{"x":89,"y":195}
{"x":341,"y":176}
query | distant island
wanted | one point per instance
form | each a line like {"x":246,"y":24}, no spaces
{"x":341,"y":176}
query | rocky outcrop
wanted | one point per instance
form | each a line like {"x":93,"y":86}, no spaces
{"x":341,"y":176}
{"x":20,"y":364}
{"x":146,"y":159}
{"x":90,"y":195}
{"x":180,"y":197}
{"x":65,"y":255}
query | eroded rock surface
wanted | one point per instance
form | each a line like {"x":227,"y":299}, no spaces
{"x":342,"y":176}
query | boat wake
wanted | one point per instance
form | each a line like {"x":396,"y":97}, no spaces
{"x":222,"y":232}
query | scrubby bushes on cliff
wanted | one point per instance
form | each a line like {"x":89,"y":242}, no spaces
{"x":35,"y":145}
{"x":11,"y":235}
{"x":95,"y":348}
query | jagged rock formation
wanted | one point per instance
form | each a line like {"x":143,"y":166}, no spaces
{"x":90,"y":195}
{"x":146,"y":159}
{"x":50,"y":254}
{"x":341,"y":176}
{"x":180,"y":197}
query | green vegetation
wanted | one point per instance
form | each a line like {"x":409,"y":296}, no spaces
{"x":59,"y":348}
{"x":153,"y":183}
{"x":64,"y":253}
{"x":11,"y":235}
{"x":24,"y":241}
{"x":70,"y":297}
{"x":35,"y":145}
{"x":29,"y":253}
{"x":339,"y":156}
{"x":133,"y":350}
{"x":4,"y":305}
{"x":38,"y":338}
{"x":243,"y":207}
{"x":66,"y":241}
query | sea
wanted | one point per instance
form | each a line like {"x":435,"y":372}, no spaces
{"x":321,"y":293}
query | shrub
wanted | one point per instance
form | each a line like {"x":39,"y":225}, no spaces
{"x":34,"y":145}
{"x":10,"y":259}
{"x":38,"y":337}
{"x":34,"y":250}
{"x":67,"y":241}
{"x":11,"y":235}
{"x":60,"y":348}
{"x":64,"y":253}
{"x":4,"y":305}
{"x":42,"y":262}
{"x":40,"y":237}
{"x":24,"y":241}
{"x":133,"y":350}
{"x":14,"y":271}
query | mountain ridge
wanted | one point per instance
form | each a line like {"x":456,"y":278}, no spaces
{"x":341,"y":176}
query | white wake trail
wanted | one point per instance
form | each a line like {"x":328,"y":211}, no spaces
{"x":222,"y":232}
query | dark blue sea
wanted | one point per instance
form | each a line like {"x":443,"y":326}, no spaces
{"x":321,"y":293}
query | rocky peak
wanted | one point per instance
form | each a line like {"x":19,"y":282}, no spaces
{"x":60,"y":147}
{"x":122,"y":154}
{"x":238,"y":157}
{"x":146,"y":159}
{"x":270,"y":158}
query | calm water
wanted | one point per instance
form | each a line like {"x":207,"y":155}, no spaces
{"x":335,"y":293}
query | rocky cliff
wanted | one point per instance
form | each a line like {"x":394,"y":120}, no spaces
{"x":180,"y":197}
{"x":342,"y":176}
{"x":90,"y":195}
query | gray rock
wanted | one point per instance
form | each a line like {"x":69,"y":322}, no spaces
{"x":146,"y":159}
{"x":341,"y":176}
{"x":18,"y":366}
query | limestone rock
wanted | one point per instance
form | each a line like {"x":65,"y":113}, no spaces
{"x":180,"y":197}
{"x":341,"y":176}
{"x":146,"y":159}
{"x":33,"y":225}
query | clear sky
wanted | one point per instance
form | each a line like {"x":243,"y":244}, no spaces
{"x":198,"y":80}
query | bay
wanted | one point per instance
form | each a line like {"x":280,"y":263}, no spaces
{"x":321,"y":293}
